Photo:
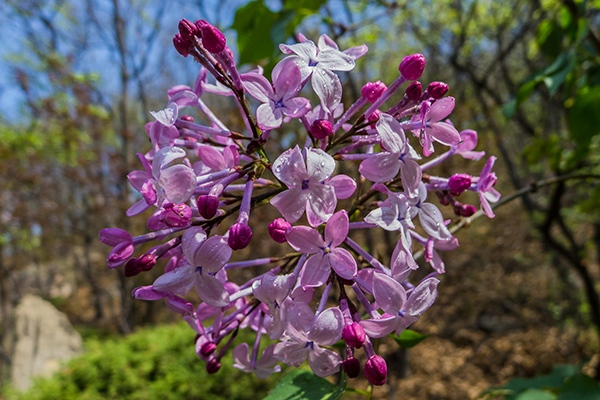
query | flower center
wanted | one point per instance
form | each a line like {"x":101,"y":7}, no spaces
{"x":305,"y":184}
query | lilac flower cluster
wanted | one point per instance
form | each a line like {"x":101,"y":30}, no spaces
{"x":192,"y":170}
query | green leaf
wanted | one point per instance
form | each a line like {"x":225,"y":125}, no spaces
{"x":580,"y":387}
{"x":584,"y":118}
{"x":312,"y":5}
{"x":253,"y":24}
{"x":557,"y":73}
{"x":303,"y":385}
{"x":409,"y":338}
{"x":535,"y":394}
{"x":549,"y":38}
{"x":553,"y":380}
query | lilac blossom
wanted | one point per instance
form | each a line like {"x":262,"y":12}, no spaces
{"x":485,"y":188}
{"x":319,"y":63}
{"x":299,"y":345}
{"x":400,"y":156}
{"x":175,"y":183}
{"x":306,"y":191}
{"x":327,"y":254}
{"x":433,"y":126}
{"x":261,"y":368}
{"x":204,"y":258}
{"x":278,"y":100}
{"x":400,"y":312}
{"x":199,"y":177}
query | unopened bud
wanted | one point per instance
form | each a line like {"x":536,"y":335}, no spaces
{"x":351,"y":367}
{"x":187,"y":118}
{"x":373,"y":91}
{"x":277,"y":230}
{"x":354,"y":335}
{"x":212,"y":38}
{"x":376,"y":370}
{"x":213,"y":366}
{"x":146,"y":262}
{"x":321,"y":128}
{"x":207,"y":206}
{"x":414,"y":91}
{"x":181,"y":45}
{"x":208,"y":348}
{"x":239,"y":236}
{"x":464,"y":210}
{"x":437,"y":89}
{"x":132,"y":268}
{"x":459,"y":183}
{"x":412,"y":66}
{"x":374,"y":118}
{"x":188,"y":30}
{"x":176,"y":215}
{"x":444,"y":197}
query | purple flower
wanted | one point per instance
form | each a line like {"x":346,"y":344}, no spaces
{"x":122,"y":244}
{"x":299,"y":345}
{"x":319,"y":63}
{"x":278,"y":100}
{"x":400,"y":312}
{"x":326,"y":253}
{"x":262,"y":368}
{"x":435,"y":128}
{"x":400,"y":156}
{"x":205,"y":257}
{"x":306,"y":191}
{"x":177,"y":182}
{"x":485,"y":187}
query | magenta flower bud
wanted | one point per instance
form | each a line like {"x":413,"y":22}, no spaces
{"x":443,"y":197}
{"x":376,"y":370}
{"x":146,"y":262}
{"x":239,"y":236}
{"x":321,"y":128}
{"x":414,"y":91}
{"x":412,"y":66}
{"x":207,"y":206}
{"x":181,"y":45}
{"x":374,"y":118}
{"x":187,"y":118}
{"x":132,"y":268}
{"x":459,"y":183}
{"x":188,"y":30}
{"x":176,"y":215}
{"x":277,"y":230}
{"x":351,"y":367}
{"x":464,"y":210}
{"x":208,"y":348}
{"x":437,"y":89}
{"x":213,"y":366}
{"x":212,"y":38}
{"x":354,"y":335}
{"x":120,"y":254}
{"x":373,"y":90}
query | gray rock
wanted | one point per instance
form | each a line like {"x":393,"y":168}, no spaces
{"x":44,"y":339}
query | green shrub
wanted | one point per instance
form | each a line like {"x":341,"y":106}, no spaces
{"x":158,"y":363}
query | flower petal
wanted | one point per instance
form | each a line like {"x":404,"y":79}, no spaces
{"x":327,"y":328}
{"x":305,"y":239}
{"x":315,"y":272}
{"x":343,"y":263}
{"x":390,"y":295}
{"x":291,"y":203}
{"x":211,"y":290}
{"x":422,"y":297}
{"x":336,"y":229}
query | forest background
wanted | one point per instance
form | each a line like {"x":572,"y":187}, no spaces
{"x":77,"y":82}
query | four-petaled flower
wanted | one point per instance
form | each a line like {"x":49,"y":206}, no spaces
{"x":326,"y":253}
{"x":306,"y":189}
{"x":278,"y":100}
